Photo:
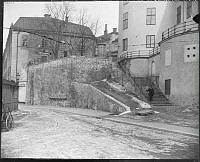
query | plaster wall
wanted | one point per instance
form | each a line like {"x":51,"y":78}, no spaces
{"x":184,"y":75}
{"x":139,"y":67}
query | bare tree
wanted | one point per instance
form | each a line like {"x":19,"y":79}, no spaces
{"x":57,"y":12}
{"x":82,"y":41}
{"x":85,"y":43}
{"x":60,"y":11}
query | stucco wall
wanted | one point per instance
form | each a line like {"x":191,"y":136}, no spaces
{"x":184,"y":75}
{"x":156,"y":60}
{"x":139,"y":67}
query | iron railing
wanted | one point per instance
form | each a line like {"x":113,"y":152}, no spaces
{"x":179,"y":29}
{"x":141,"y":53}
{"x":9,"y":95}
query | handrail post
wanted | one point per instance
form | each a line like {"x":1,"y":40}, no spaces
{"x":168,"y":32}
{"x":174,"y":30}
{"x":184,"y":26}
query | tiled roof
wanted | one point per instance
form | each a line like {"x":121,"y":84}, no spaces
{"x":38,"y":23}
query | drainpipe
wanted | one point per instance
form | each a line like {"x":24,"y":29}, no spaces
{"x":183,"y":12}
{"x":17,"y":75}
{"x":17,"y":55}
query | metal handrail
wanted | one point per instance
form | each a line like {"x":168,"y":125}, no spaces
{"x":179,"y":29}
{"x":134,"y":54}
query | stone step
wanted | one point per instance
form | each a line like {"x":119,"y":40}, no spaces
{"x":169,"y":104}
{"x":159,"y":103}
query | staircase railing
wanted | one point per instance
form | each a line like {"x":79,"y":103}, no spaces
{"x":138,"y":89}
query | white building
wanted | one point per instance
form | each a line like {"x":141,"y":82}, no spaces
{"x":168,"y":26}
{"x":139,"y":22}
{"x":22,"y":46}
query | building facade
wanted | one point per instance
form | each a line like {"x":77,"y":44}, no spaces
{"x":138,"y":25}
{"x":107,"y":44}
{"x":33,"y":38}
{"x":165,"y":40}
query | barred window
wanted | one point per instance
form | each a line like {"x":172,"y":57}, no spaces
{"x":150,"y":41}
{"x":179,"y":15}
{"x":151,"y":16}
{"x":125,"y":44}
{"x":189,"y":8}
{"x":125,"y":20}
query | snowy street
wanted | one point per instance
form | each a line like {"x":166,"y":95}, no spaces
{"x":53,"y":132}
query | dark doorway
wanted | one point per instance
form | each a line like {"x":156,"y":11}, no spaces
{"x":167,"y":86}
{"x":65,"y":53}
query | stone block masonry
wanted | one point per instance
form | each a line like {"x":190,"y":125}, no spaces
{"x":51,"y":83}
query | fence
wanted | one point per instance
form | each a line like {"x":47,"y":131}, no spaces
{"x":9,"y":95}
{"x":180,"y":29}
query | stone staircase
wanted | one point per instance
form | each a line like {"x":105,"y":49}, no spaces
{"x":159,"y":98}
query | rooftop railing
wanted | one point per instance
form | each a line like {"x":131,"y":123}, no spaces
{"x":179,"y":29}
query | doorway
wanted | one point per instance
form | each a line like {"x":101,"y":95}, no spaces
{"x":167,"y":87}
{"x":153,"y":68}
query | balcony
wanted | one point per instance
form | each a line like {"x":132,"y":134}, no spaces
{"x":182,"y":28}
{"x":141,"y":53}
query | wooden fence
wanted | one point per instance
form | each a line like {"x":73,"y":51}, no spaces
{"x":9,"y":95}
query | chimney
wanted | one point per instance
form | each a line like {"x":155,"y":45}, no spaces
{"x":105,"y":31}
{"x":114,"y":30}
{"x":47,"y":15}
{"x":66,"y":19}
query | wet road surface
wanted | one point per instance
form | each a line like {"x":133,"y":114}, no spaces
{"x":56,"y":133}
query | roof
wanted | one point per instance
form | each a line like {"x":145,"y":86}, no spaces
{"x":48,"y":24}
{"x":104,"y":38}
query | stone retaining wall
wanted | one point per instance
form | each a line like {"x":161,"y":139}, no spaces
{"x":50,"y":83}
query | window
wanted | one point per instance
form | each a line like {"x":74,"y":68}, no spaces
{"x":125,"y":44}
{"x":179,"y":15}
{"x":168,"y":57}
{"x":189,"y":8}
{"x":150,"y":41}
{"x":44,"y":43}
{"x":125,"y":20}
{"x":65,"y":53}
{"x":191,"y":53}
{"x":151,"y":16}
{"x":24,"y":42}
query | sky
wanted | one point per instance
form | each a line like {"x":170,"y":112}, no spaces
{"x":106,"y":11}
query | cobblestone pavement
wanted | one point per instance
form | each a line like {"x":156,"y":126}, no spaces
{"x":51,"y":133}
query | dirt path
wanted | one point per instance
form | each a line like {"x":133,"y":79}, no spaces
{"x":52,"y":133}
